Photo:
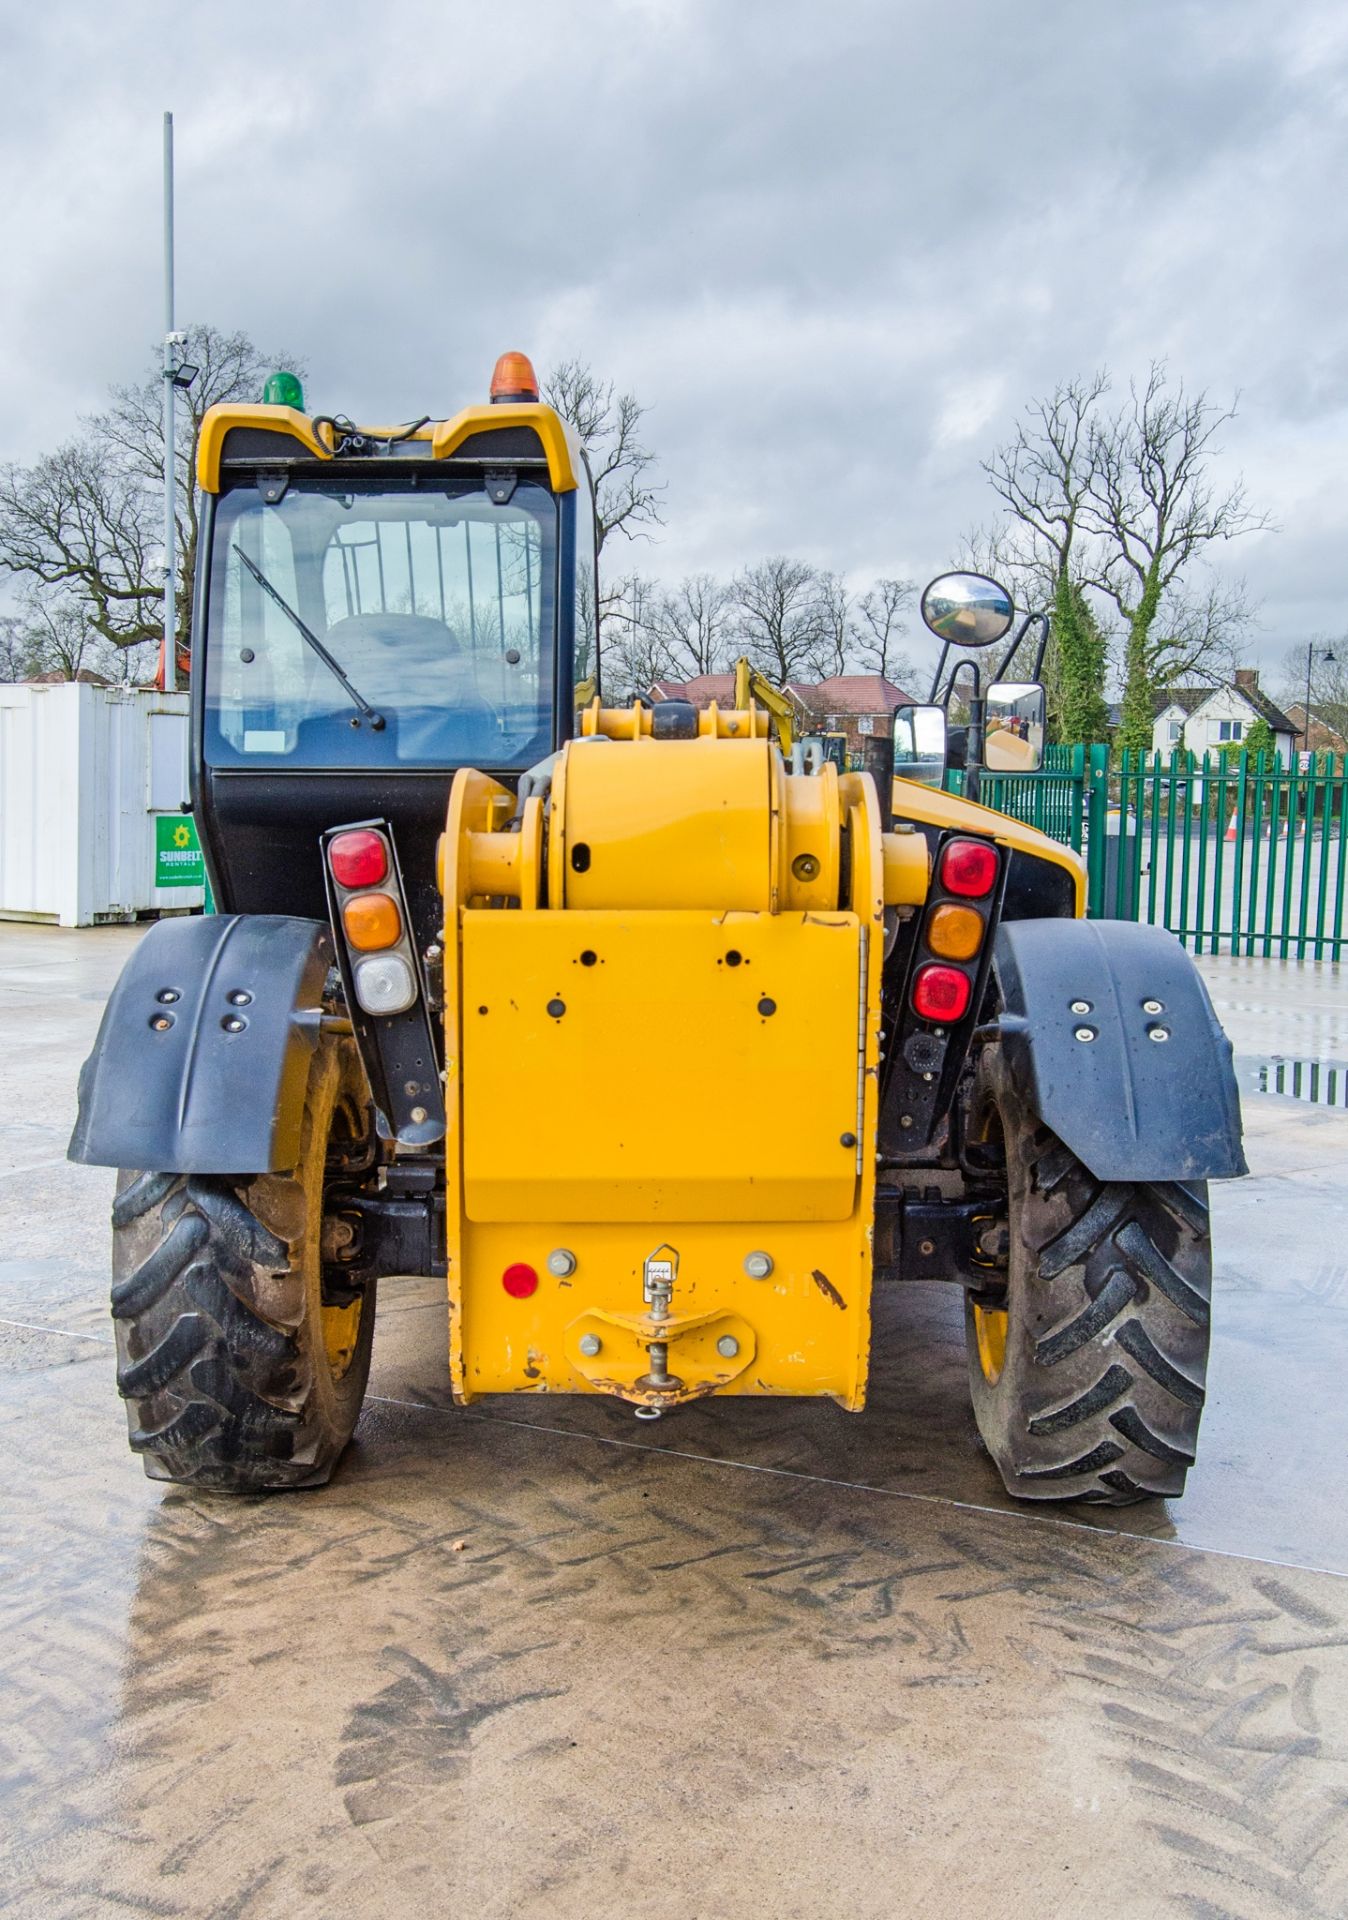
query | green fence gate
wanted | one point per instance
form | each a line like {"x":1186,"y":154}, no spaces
{"x":1233,"y":853}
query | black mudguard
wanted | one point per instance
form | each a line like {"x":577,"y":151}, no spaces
{"x":1130,"y":1107}
{"x":220,"y":1088}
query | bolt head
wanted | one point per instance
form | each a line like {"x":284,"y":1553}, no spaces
{"x":727,"y":1346}
{"x":1081,"y":1006}
{"x":758,"y":1265}
{"x":1158,"y":1033}
{"x":1152,"y":1006}
{"x":561,"y":1262}
{"x":1085,"y":1034}
{"x":590,"y":1344}
{"x":417,"y":1115}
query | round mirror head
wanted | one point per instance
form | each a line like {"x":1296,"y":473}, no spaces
{"x":967,"y":609}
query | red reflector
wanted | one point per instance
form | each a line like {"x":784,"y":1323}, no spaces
{"x":969,"y":867}
{"x":941,"y":993}
{"x":358,"y":859}
{"x":519,"y":1281}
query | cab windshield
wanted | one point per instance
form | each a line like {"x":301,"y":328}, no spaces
{"x":354,"y":627}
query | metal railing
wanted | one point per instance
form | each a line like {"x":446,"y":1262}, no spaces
{"x":1233,"y":853}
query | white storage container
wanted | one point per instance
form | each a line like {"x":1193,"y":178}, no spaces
{"x":87,"y":774}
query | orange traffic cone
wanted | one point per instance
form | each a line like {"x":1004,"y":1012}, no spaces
{"x":1231,"y":826}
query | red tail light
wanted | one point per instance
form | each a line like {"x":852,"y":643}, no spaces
{"x":520,"y":1281}
{"x":941,"y":993}
{"x":969,"y":867}
{"x":358,"y":859}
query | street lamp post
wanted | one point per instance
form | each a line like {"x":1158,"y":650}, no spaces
{"x":1327,"y":659}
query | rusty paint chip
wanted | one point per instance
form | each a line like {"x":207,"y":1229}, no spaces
{"x":827,"y":1288}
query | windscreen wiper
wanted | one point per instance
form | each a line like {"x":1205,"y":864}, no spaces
{"x":376,"y":720}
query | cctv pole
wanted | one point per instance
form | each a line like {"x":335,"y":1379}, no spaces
{"x":168,"y":659}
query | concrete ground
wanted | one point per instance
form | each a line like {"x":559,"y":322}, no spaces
{"x":765,"y":1659}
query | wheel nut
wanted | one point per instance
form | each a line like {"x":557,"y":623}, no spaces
{"x":727,"y":1346}
{"x":758,"y":1265}
{"x":561,"y":1262}
{"x":590,"y":1344}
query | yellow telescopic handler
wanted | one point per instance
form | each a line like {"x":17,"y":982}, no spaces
{"x":661,"y":1051}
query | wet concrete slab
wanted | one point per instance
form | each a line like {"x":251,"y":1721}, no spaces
{"x":532,"y":1658}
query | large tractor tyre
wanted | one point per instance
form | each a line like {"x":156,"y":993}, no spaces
{"x":240,"y":1366}
{"x":1087,"y":1369}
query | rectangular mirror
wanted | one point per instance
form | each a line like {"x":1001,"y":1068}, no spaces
{"x":920,"y":745}
{"x":1013,"y":727}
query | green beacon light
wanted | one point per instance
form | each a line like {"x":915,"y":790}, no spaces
{"x":283,"y":390}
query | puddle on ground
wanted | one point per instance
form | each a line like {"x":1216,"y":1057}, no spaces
{"x":1325,"y":1082}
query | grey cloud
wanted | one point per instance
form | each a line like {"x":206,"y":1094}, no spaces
{"x":835,"y":248}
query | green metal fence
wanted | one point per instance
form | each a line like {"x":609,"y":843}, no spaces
{"x":1052,"y":799}
{"x":1234,"y":854}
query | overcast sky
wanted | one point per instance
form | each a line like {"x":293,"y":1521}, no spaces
{"x":834,"y":248}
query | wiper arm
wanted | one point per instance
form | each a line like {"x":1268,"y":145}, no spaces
{"x":376,"y":720}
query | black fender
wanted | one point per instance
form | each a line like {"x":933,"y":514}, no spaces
{"x":202,"y":1060}
{"x":1129,"y":1106}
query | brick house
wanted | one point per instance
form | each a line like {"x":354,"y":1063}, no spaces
{"x":857,"y":705}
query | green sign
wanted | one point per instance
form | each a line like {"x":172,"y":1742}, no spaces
{"x":177,"y":852}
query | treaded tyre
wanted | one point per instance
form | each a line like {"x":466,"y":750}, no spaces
{"x":1088,"y":1370}
{"x":237,"y":1370}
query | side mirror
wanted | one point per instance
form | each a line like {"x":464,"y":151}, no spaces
{"x":967,"y":609}
{"x":1013,"y":726}
{"x":920,"y":745}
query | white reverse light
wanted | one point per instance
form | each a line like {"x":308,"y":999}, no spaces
{"x":384,"y":983}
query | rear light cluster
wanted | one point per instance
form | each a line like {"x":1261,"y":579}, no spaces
{"x":383,"y":972}
{"x":955,"y":931}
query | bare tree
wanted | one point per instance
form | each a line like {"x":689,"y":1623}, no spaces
{"x":694,"y":621}
{"x":80,"y":529}
{"x":879,"y":628}
{"x":608,"y":426}
{"x":833,"y":607}
{"x":1328,"y":678}
{"x":778,"y":623}
{"x":1044,"y":476}
{"x":16,"y":652}
{"x":1154,"y":513}
{"x":229,"y":368}
{"x":78,"y":523}
{"x":633,"y":647}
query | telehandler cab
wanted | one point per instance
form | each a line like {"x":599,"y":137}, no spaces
{"x":663,"y":1054}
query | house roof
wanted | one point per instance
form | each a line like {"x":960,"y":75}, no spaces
{"x":1190,"y":699}
{"x":58,"y":677}
{"x":702,"y":689}
{"x":1267,"y":709}
{"x":850,"y":693}
{"x":845,"y":693}
{"x":1326,"y":719}
{"x":1186,"y":698}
